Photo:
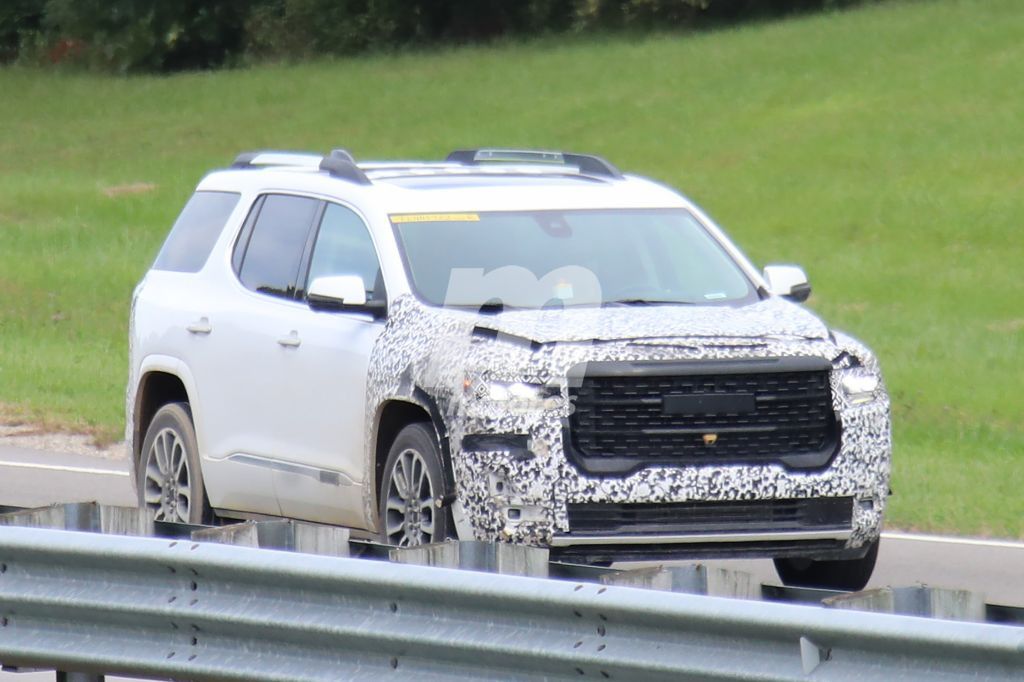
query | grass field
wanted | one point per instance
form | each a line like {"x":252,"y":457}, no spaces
{"x":881,"y":148}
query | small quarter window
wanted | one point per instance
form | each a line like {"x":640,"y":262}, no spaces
{"x":195,"y":232}
{"x":274,"y":252}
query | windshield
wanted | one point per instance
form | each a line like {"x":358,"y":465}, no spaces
{"x":538,"y":259}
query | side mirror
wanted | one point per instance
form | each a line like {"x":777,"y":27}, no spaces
{"x":788,"y":281}
{"x":342,"y":292}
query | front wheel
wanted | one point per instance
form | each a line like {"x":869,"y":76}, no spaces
{"x":848,"y":575}
{"x":412,"y":489}
{"x":170,"y":482}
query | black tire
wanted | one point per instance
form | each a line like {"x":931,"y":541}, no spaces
{"x":411,"y":514}
{"x":848,"y":575}
{"x":169,"y":478}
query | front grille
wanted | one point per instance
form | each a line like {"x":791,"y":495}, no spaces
{"x":684,"y":518}
{"x":632,"y":418}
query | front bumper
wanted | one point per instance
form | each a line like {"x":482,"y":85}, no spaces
{"x":728,"y":528}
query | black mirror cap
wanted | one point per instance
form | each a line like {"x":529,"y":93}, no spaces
{"x":799,"y":293}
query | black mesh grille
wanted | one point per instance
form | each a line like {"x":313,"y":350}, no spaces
{"x":753,"y":417}
{"x":745,"y":516}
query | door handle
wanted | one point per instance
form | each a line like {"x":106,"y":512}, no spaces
{"x":290,"y":341}
{"x":202,"y":326}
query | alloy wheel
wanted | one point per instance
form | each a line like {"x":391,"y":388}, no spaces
{"x":168,"y":484}
{"x":409,"y":509}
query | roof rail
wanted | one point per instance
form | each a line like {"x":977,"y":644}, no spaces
{"x":340,"y":164}
{"x":587,"y":163}
{"x":275,"y":157}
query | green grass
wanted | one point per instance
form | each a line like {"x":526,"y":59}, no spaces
{"x":881,"y":148}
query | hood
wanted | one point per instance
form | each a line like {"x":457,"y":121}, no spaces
{"x":774,"y":317}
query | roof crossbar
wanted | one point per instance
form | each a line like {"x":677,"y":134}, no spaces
{"x":587,"y":163}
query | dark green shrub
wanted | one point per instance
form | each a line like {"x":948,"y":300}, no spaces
{"x":300,"y":28}
{"x":142,"y":35}
{"x":20,"y":23}
{"x":463,"y":20}
{"x":647,"y":14}
{"x":166,"y":35}
{"x":637,"y":13}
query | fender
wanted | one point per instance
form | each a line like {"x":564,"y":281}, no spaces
{"x":421,"y":399}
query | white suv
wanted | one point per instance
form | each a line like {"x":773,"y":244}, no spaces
{"x":507,"y":345}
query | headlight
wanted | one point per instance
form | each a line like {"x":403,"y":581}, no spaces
{"x":503,"y":392}
{"x":859,"y":387}
{"x":516,"y":395}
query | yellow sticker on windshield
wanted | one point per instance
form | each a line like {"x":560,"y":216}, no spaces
{"x":436,"y":218}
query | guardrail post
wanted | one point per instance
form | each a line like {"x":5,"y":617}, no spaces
{"x":692,"y":579}
{"x":931,"y":602}
{"x":296,"y":536}
{"x":83,"y":516}
{"x":476,"y":555}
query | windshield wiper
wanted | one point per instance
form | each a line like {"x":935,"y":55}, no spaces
{"x":644,"y":301}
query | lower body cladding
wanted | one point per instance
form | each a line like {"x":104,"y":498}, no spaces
{"x":522,"y":488}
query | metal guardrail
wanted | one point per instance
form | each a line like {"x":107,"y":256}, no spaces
{"x":205,"y":611}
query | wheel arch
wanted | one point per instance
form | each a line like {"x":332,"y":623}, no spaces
{"x":162,"y":380}
{"x":395,"y":414}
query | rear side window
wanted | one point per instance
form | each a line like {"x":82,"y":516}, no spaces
{"x":192,"y":238}
{"x":275,"y":247}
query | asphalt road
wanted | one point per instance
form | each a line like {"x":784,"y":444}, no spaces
{"x":33,"y":478}
{"x":30,"y":478}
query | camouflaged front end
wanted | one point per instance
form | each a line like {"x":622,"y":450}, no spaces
{"x":443,"y":360}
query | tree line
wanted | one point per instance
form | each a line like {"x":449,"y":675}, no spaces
{"x":173,"y":35}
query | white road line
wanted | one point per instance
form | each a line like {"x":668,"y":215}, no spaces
{"x":971,"y":542}
{"x":55,"y":467}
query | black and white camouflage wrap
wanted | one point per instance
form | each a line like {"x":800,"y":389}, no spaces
{"x":432,"y":355}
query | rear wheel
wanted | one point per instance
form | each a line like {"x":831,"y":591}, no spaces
{"x":411,"y":490}
{"x":170,"y":482}
{"x":848,"y":575}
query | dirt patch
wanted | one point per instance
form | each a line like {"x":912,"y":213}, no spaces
{"x":1006,"y":326}
{"x":34,"y":437}
{"x":129,"y":189}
